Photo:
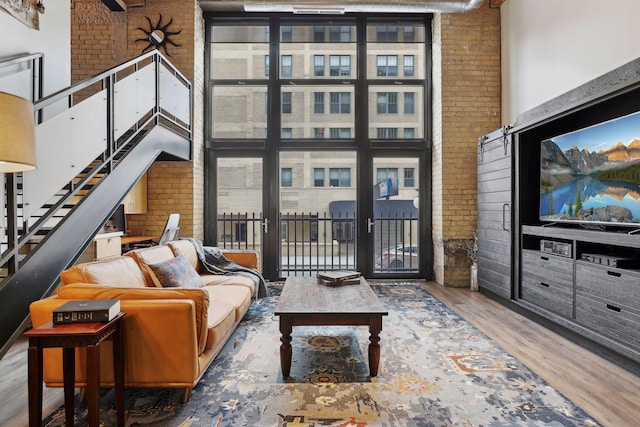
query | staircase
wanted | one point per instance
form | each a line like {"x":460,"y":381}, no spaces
{"x":90,"y":151}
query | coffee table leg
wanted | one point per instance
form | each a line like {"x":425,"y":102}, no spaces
{"x":285,"y":348}
{"x":68,"y":372}
{"x":375,"y":327}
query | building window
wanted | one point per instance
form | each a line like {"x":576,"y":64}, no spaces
{"x":409,"y":133}
{"x":339,"y":177}
{"x":387,"y":133}
{"x":318,"y":65}
{"x":409,"y":65}
{"x":340,"y":103}
{"x":318,"y":133}
{"x":387,"y":102}
{"x":286,"y":177}
{"x":384,"y":173}
{"x":340,"y":33}
{"x":387,"y":33}
{"x":387,"y":65}
{"x":409,"y":177}
{"x":409,"y":34}
{"x":340,"y":65}
{"x":266,"y":65}
{"x":286,"y":133}
{"x":318,"y":33}
{"x":409,"y":103}
{"x":266,"y":103}
{"x":286,"y":33}
{"x":318,"y":177}
{"x":339,"y":133}
{"x":286,"y":66}
{"x":318,"y":102}
{"x":286,"y":103}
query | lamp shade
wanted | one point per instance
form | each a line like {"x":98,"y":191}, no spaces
{"x":17,"y":134}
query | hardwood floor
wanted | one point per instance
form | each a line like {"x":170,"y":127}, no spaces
{"x":607,"y":392}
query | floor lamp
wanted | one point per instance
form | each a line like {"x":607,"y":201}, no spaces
{"x":17,"y":134}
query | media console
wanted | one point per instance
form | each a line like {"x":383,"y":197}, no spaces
{"x":595,"y":292}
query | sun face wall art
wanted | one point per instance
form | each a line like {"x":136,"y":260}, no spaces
{"x":158,"y":36}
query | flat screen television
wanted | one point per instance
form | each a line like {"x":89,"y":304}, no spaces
{"x":592,"y":175}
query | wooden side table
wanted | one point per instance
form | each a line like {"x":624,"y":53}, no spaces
{"x":70,"y":336}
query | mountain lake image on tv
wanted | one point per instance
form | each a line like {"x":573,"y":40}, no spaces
{"x":592,"y":176}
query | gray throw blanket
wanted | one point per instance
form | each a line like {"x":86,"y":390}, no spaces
{"x":214,"y":262}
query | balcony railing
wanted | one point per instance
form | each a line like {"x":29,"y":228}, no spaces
{"x":310,"y":243}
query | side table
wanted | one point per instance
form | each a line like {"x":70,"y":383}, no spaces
{"x":69,"y":336}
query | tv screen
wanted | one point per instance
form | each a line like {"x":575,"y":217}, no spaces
{"x":592,"y":175}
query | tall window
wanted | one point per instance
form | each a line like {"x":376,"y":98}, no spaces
{"x":409,"y":65}
{"x":318,"y":177}
{"x":266,"y":65}
{"x":387,"y":102}
{"x":318,"y":102}
{"x":340,"y":177}
{"x":286,"y":69}
{"x":286,"y":177}
{"x":409,"y":103}
{"x":286,"y":102}
{"x":387,"y":65}
{"x":340,"y":102}
{"x":286,"y":33}
{"x":409,"y":177}
{"x":318,"y":65}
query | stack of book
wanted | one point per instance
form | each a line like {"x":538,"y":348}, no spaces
{"x":339,"y":277}
{"x":87,"y":311}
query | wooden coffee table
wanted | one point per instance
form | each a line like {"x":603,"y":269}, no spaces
{"x":305,"y":302}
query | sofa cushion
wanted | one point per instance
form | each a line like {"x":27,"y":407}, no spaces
{"x":220,"y":322}
{"x":237,"y":296}
{"x":119,"y":271}
{"x":186,"y":248}
{"x":152,"y":255}
{"x":228,"y":279}
{"x":176,"y":273}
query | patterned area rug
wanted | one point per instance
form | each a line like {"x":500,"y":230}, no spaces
{"x":435,"y":370}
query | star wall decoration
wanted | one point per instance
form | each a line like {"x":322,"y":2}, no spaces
{"x":158,"y":35}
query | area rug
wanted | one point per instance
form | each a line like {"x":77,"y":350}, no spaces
{"x":435,"y":370}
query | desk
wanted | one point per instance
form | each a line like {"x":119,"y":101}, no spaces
{"x":128,"y":241}
{"x":69,"y":336}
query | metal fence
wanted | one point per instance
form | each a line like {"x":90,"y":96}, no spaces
{"x":313,"y":242}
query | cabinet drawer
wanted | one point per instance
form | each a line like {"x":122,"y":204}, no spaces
{"x":547,"y":282}
{"x":620,"y":287}
{"x":617,"y":322}
{"x":108,"y":247}
{"x":547,"y":268}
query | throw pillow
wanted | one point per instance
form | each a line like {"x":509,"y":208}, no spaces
{"x":176,"y":273}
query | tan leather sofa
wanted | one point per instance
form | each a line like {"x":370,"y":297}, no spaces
{"x":171,"y":334}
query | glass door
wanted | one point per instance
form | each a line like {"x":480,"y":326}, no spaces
{"x":240,"y":220}
{"x":394,"y":227}
{"x":317,"y":211}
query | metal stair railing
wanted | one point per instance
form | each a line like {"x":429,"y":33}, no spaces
{"x":29,"y":219}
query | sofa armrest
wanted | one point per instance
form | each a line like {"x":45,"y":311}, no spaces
{"x":200,"y":298}
{"x":245,"y":257}
{"x":160,"y":343}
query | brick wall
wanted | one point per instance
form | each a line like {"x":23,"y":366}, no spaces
{"x":101,"y":39}
{"x":466,"y":106}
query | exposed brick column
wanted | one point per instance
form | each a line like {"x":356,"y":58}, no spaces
{"x":466,"y":105}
